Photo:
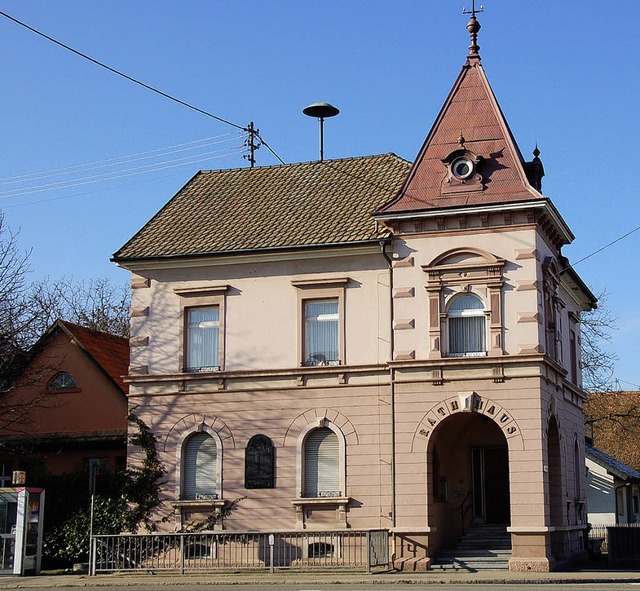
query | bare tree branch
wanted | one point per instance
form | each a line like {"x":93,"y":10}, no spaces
{"x":598,"y":362}
{"x":28,"y":309}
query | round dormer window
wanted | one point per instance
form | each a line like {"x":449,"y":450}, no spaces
{"x":462,"y":168}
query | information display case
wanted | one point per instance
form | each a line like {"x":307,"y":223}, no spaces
{"x":21,"y":522}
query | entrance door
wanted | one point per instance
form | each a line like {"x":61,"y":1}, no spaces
{"x":491,"y":503}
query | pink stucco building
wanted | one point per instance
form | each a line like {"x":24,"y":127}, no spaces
{"x":370,"y":343}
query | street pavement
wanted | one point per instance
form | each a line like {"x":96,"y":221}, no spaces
{"x":324,"y":579}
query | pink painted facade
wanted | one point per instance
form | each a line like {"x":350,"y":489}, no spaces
{"x":428,"y":434}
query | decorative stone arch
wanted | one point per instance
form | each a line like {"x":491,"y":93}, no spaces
{"x":189,"y":428}
{"x":192,"y":423}
{"x":468,"y":443}
{"x":342,"y":451}
{"x":312,"y":416}
{"x":296,"y":434}
{"x":465,"y":256}
{"x":460,"y":270}
{"x":470,"y":402}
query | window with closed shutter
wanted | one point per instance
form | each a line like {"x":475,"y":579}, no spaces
{"x":321,"y":464}
{"x":199,"y":469}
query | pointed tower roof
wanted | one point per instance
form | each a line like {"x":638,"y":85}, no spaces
{"x":470,"y":157}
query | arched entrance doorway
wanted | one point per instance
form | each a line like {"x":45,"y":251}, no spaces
{"x":468,"y":468}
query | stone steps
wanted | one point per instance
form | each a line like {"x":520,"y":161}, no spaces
{"x":483,"y":547}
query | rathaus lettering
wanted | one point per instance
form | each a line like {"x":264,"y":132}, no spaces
{"x":468,"y":402}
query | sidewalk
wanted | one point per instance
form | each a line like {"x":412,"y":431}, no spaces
{"x":319,"y":579}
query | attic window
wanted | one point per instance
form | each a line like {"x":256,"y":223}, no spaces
{"x":463,"y":171}
{"x":63,"y":381}
{"x":462,"y":168}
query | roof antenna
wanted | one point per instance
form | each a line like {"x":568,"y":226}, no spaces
{"x":252,"y":144}
{"x":321,"y":111}
{"x":473,"y":26}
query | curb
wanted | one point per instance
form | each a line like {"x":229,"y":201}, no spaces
{"x":266,"y":579}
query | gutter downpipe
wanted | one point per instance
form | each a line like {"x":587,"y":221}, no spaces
{"x":383,"y":251}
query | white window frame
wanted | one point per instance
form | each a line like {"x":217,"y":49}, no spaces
{"x":202,"y":297}
{"x":300,"y":455}
{"x":318,"y":290}
{"x":319,"y":358}
{"x":191,"y":335}
{"x":465,"y":270}
{"x":467,"y":313}
{"x":180,"y":459}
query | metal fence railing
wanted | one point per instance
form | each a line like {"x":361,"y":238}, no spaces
{"x":189,"y":552}
{"x":599,"y":532}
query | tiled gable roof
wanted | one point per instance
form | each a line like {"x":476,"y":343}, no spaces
{"x":471,"y":113}
{"x":613,"y":466}
{"x":110,"y":353}
{"x":274,"y":207}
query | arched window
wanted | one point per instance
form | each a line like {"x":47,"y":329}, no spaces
{"x":200,"y":458}
{"x":322,"y":464}
{"x":467,"y":331}
{"x":63,"y":381}
{"x":258,"y":463}
{"x":578,"y":467}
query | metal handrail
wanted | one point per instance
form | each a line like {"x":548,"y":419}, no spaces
{"x":464,"y":510}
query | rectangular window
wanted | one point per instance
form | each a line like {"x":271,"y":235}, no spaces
{"x":573,"y":354}
{"x":5,"y":475}
{"x":467,"y":335}
{"x":321,"y":332}
{"x":203,"y":339}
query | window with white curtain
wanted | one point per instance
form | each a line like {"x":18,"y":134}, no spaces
{"x":203,"y":339}
{"x":321,"y":332}
{"x":322,"y":464}
{"x":467,"y":321}
{"x":199,"y":468}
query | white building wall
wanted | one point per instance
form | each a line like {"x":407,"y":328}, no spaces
{"x":601,"y":496}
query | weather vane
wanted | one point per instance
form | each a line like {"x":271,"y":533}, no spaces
{"x":473,"y":10}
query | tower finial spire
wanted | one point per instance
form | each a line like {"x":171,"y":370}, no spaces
{"x":473,"y":26}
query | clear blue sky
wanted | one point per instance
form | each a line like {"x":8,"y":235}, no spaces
{"x":565,"y":74}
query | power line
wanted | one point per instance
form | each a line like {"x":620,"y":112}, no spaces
{"x":264,"y":143}
{"x":113,"y":188}
{"x":166,"y":176}
{"x":208,"y":114}
{"x":606,"y":246}
{"x":388,"y":190}
{"x":135,"y":80}
{"x":117,"y":174}
{"x":619,"y":381}
{"x":121,"y":74}
{"x":118,"y":160}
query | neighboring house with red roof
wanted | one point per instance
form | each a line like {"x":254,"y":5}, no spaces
{"x":369,"y":343}
{"x":68,"y":407}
